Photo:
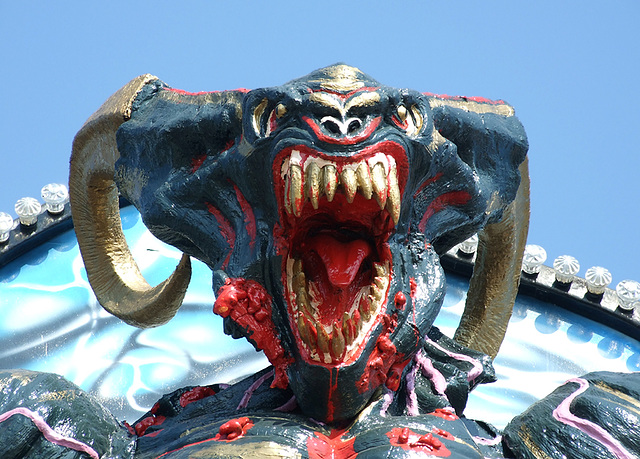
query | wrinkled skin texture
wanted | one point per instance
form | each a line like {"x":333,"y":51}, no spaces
{"x":332,"y":194}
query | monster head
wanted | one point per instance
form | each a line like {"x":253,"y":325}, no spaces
{"x":321,"y":207}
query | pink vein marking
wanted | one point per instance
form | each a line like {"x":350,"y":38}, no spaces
{"x":477,"y":365}
{"x":412,"y":402}
{"x":428,"y":370}
{"x":249,"y":392}
{"x":289,"y":406}
{"x":50,"y":434}
{"x":563,"y":414}
{"x":387,"y":400}
{"x":488,"y":441}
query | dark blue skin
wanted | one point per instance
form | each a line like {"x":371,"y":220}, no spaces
{"x":168,"y":130}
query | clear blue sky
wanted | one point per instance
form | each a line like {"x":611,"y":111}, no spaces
{"x":569,"y":68}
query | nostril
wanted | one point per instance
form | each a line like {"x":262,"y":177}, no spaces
{"x":331,"y":126}
{"x":354,"y":126}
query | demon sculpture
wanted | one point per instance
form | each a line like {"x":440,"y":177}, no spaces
{"x":321,"y":207}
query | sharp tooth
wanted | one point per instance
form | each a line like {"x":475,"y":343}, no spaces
{"x":348,"y":329}
{"x":379,"y":183}
{"x":377,"y":292}
{"x":393,"y":203}
{"x":380,"y":269}
{"x":365,"y":308}
{"x":357,"y":321}
{"x":380,"y":282}
{"x":337,"y":343}
{"x":305,"y":333}
{"x":323,"y":340}
{"x":329,"y":180}
{"x":299,"y":281}
{"x":287,"y":192}
{"x":296,"y":191}
{"x":312,"y":183}
{"x":349,"y":183}
{"x":303,"y":300}
{"x":364,"y":180}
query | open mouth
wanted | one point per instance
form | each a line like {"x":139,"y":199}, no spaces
{"x":337,"y":214}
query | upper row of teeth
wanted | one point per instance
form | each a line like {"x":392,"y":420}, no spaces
{"x":310,"y":178}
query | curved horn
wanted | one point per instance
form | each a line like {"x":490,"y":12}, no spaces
{"x":496,"y":275}
{"x":113,"y":273}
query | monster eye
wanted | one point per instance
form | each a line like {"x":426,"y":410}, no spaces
{"x":409,"y":120}
{"x":265,"y":126}
{"x":281,"y":110}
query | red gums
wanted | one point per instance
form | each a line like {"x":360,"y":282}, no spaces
{"x":249,"y":218}
{"x":408,"y":440}
{"x":371,"y":127}
{"x":331,"y":447}
{"x":195,"y":394}
{"x":455,"y":198}
{"x":233,"y":429}
{"x":249,"y":305}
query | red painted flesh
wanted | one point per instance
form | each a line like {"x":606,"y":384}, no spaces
{"x":481,"y":100}
{"x":331,"y":447}
{"x":195,"y":394}
{"x":453,"y":198}
{"x":234,"y":429}
{"x":408,"y":440}
{"x":385,"y":364}
{"x":346,"y":140}
{"x":413,"y":286}
{"x":225,"y":228}
{"x":142,"y":426}
{"x":249,"y":218}
{"x":444,"y":414}
{"x":196,"y":162}
{"x":400,"y":300}
{"x":347,"y":95}
{"x":249,"y":305}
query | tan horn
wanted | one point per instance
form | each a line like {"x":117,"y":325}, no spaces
{"x":496,"y":275}
{"x":113,"y":273}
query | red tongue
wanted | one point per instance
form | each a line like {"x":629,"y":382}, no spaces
{"x":342,"y":260}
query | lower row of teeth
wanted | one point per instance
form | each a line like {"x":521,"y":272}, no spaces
{"x":335,"y":343}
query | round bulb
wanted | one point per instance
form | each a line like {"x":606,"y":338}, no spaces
{"x":566,"y":268}
{"x":28,"y":210}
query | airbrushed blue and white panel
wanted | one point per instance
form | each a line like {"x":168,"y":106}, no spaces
{"x":50,"y":321}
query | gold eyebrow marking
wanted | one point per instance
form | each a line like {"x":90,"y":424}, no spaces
{"x":328,"y":101}
{"x":366,"y":99}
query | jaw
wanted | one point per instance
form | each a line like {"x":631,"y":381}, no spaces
{"x":337,"y":215}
